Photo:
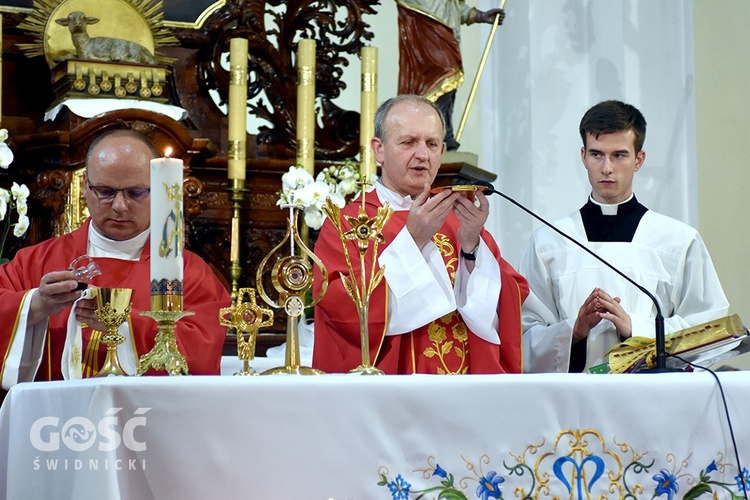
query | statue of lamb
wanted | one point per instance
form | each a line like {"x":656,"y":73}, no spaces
{"x":102,"y":48}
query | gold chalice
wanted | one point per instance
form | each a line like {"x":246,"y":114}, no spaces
{"x":112,"y":309}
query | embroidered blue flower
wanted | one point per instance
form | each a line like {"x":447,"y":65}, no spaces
{"x":439,"y":471}
{"x":743,"y":480}
{"x":711,"y":467}
{"x":666,"y":483}
{"x":399,"y":488}
{"x":489,"y":486}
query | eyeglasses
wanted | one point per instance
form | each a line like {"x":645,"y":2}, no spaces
{"x":107,"y":194}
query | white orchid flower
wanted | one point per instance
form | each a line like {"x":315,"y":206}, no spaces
{"x":21,"y":207}
{"x":347,"y":186}
{"x":20,"y":192}
{"x":6,"y":155}
{"x":296,"y":178}
{"x":21,"y":227}
{"x":314,"y":218}
{"x":337,"y":199}
{"x":314,"y":194}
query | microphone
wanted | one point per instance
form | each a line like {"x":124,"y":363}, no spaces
{"x":661,"y":350}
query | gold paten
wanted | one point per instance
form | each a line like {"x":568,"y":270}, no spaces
{"x":246,"y":317}
{"x":363,"y":231}
{"x":112,"y":309}
{"x":626,"y":354}
{"x":292,"y":277}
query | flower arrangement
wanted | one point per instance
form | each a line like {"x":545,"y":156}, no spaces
{"x":300,"y":188}
{"x":15,"y":199}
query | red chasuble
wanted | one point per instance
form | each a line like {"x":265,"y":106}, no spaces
{"x":443,"y":346}
{"x":199,"y":337}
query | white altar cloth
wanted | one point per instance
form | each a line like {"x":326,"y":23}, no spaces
{"x":366,"y":437}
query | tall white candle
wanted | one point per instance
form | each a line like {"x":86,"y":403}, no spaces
{"x":306,"y":104}
{"x":167,"y":233}
{"x":368,"y":106}
{"x":237,"y":109}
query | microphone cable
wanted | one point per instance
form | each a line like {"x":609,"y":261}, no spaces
{"x":745,"y":484}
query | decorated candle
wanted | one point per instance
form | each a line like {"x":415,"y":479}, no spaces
{"x":167,"y":233}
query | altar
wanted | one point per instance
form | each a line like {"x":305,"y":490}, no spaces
{"x":367,"y":437}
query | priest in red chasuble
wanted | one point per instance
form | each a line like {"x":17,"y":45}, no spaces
{"x":449,"y":303}
{"x":39,"y":302}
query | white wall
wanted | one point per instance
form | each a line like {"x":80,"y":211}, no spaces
{"x":722,"y":64}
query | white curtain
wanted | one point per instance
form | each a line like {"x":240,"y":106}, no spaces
{"x":550,"y":62}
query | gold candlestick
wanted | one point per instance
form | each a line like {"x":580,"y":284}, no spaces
{"x":363,"y":231}
{"x":237,"y":193}
{"x":291,"y":275}
{"x":165,"y":355}
{"x":112,"y":309}
{"x":246,"y":317}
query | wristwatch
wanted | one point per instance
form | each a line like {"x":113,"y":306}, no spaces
{"x":470,"y":255}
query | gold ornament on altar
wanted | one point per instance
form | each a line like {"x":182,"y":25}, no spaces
{"x":112,"y":309}
{"x":292,"y":276}
{"x":367,"y":233}
{"x":246,"y":316}
{"x":85,"y":63}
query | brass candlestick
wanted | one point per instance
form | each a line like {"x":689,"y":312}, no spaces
{"x":166,"y":309}
{"x":237,"y":193}
{"x":246,"y":317}
{"x":291,"y":276}
{"x":112,"y":309}
{"x":363,"y":231}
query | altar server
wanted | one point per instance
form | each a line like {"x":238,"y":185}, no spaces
{"x":578,"y":308}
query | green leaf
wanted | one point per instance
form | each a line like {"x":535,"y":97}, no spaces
{"x":452,"y":495}
{"x":697,"y":491}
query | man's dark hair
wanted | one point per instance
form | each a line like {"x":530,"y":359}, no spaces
{"x":122,"y":132}
{"x":613,"y":116}
{"x":382,"y":113}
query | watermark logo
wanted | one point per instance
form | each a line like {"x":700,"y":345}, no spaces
{"x":49,"y":434}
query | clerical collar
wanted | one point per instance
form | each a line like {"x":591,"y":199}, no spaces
{"x":610,"y":209}
{"x":620,"y":226}
{"x":396,"y":201}
{"x":101,"y":246}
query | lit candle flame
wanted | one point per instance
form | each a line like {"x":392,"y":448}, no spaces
{"x":168,"y":152}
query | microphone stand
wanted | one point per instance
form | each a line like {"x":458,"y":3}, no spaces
{"x":661,"y":349}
